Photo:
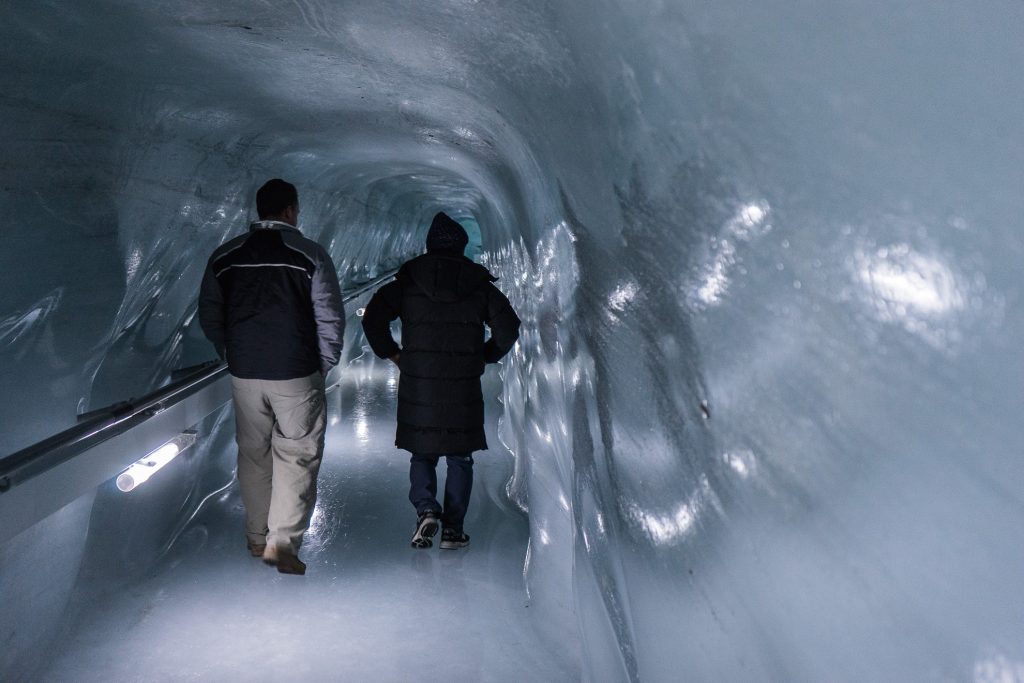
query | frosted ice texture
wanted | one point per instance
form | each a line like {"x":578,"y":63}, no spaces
{"x":807,"y":215}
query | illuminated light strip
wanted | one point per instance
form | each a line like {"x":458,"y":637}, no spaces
{"x":141,"y":470}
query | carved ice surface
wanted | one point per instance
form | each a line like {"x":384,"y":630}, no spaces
{"x":806,"y":214}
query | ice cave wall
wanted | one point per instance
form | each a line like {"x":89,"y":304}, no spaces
{"x":806,"y":215}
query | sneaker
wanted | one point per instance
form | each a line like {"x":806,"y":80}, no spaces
{"x":285,"y":561}
{"x":256,"y":549}
{"x":451,"y":539}
{"x":426,"y":527}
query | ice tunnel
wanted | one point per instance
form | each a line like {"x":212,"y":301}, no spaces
{"x":762,"y":422}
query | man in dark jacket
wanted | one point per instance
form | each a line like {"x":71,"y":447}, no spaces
{"x":270,"y":303}
{"x":443,"y":300}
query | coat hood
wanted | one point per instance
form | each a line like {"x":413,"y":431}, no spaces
{"x":446,"y":236}
{"x":446,"y":279}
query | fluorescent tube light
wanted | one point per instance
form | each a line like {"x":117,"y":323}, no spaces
{"x":144,"y":468}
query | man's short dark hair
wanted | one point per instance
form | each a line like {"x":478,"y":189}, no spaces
{"x":274,"y":197}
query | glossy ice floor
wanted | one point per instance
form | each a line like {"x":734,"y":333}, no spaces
{"x":370,"y":608}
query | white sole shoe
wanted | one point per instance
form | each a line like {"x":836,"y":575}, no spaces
{"x":425,"y":530}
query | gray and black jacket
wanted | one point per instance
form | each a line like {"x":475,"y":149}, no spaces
{"x":270,"y":303}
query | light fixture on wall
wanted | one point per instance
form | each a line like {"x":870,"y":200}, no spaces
{"x":144,"y":468}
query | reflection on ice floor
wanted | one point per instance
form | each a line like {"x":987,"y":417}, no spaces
{"x":370,"y":607}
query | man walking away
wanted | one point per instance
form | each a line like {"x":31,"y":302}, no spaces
{"x":270,"y":303}
{"x":443,"y":300}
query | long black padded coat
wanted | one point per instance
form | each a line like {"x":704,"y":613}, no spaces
{"x":443,"y":302}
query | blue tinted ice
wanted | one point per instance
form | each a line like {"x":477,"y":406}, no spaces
{"x":762,"y":423}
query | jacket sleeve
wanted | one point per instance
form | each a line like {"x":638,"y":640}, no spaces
{"x":328,"y":311}
{"x":504,"y":324}
{"x":382,"y":309}
{"x":211,"y":310}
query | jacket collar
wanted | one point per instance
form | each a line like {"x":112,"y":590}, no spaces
{"x":273,"y":225}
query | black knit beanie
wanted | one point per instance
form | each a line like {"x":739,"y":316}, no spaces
{"x":446,"y":236}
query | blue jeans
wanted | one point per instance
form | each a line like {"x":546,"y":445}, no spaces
{"x":458,"y":486}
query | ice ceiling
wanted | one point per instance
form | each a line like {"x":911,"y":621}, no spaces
{"x":768,"y":257}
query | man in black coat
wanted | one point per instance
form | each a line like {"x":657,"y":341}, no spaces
{"x":443,"y":300}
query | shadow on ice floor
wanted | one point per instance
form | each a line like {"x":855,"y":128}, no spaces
{"x":370,"y":607}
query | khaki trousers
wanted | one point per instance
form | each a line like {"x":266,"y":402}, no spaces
{"x":279,"y":428}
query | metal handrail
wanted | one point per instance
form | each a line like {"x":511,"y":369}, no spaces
{"x":100,"y":425}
